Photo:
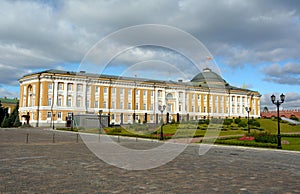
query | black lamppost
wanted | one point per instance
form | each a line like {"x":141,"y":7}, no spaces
{"x":277,"y":103}
{"x":248,"y":109}
{"x":161,"y":109}
{"x":100,"y":124}
{"x":53,"y":116}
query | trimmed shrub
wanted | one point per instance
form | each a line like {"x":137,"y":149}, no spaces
{"x":242,"y":124}
{"x":237,"y":120}
{"x":265,"y":137}
{"x":228,"y":122}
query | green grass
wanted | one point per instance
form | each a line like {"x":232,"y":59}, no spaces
{"x":184,"y":130}
{"x":271,"y":126}
{"x":294,"y":143}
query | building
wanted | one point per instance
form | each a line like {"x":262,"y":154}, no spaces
{"x":50,"y":96}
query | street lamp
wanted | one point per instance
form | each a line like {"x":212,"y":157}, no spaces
{"x":277,"y":103}
{"x":161,"y":109}
{"x":248,"y":109}
{"x":100,"y":124}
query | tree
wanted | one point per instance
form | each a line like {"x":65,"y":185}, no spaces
{"x":14,"y":117}
{"x":265,"y":109}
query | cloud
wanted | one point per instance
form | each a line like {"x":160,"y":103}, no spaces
{"x":38,"y":35}
{"x":292,"y":100}
{"x":289,"y":73}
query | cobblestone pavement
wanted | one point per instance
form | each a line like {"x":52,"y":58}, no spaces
{"x":65,"y":166}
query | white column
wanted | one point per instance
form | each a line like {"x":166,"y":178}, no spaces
{"x":65,"y":94}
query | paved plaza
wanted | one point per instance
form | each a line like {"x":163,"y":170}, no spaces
{"x":54,"y":162}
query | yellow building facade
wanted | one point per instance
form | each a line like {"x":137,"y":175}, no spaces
{"x":50,"y":96}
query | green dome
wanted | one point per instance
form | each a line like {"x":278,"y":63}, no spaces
{"x":208,"y":76}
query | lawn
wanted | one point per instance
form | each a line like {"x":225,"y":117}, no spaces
{"x":188,"y":130}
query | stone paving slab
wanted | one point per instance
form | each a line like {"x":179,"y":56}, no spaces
{"x":66,"y":166}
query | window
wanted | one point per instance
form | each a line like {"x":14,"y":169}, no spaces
{"x":113,"y":105}
{"x":137,"y":93}
{"x":199,"y":97}
{"x":50,"y":87}
{"x":59,"y":115}
{"x":60,"y":86}
{"x":180,"y":107}
{"x":193,"y":96}
{"x":78,"y":102}
{"x":122,"y":91}
{"x":151,"y":106}
{"x":70,"y":87}
{"x":144,"y":107}
{"x":152,"y":93}
{"x":59,"y":101}
{"x":129,"y":105}
{"x":49,"y":101}
{"x":104,"y":104}
{"x":97,"y":89}
{"x":193,"y":109}
{"x":137,"y":106}
{"x":88,"y":103}
{"x":204,"y":109}
{"x":121,"y":105}
{"x":180,"y":94}
{"x":114,"y":90}
{"x":145,"y":93}
{"x":88,"y":89}
{"x":79,"y":87}
{"x":49,"y":115}
{"x":96,"y":104}
{"x":105,"y":90}
{"x":129,"y":93}
{"x":69,"y":103}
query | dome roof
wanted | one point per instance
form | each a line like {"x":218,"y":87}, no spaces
{"x":208,"y":76}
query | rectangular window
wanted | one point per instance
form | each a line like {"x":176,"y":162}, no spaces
{"x":69,"y":103}
{"x":59,"y":101}
{"x":180,"y":107}
{"x":96,"y":104}
{"x":105,"y":90}
{"x":60,"y":86}
{"x":79,"y":87}
{"x":97,"y":89}
{"x":113,"y":90}
{"x":129,"y":105}
{"x":113,"y":105}
{"x":49,"y":101}
{"x":137,"y":106}
{"x":121,"y":91}
{"x":50,"y":87}
{"x":88,"y":103}
{"x":145,"y":93}
{"x":104,"y":104}
{"x":78,"y":102}
{"x":152,"y":93}
{"x":121,"y":105}
{"x":88,"y":89}
{"x":151,"y":107}
{"x":49,"y":115}
{"x":129,"y":93}
{"x":137,"y":93}
{"x":144,"y":107}
{"x":70,"y":87}
{"x":59,"y":115}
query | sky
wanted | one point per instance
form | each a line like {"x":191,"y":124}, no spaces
{"x":254,"y":44}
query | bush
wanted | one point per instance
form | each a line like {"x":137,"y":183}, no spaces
{"x":265,"y":137}
{"x":256,"y":124}
{"x":237,"y":121}
{"x":228,"y":121}
{"x":242,"y":124}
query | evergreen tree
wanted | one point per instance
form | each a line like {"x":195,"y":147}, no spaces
{"x":1,"y":113}
{"x":14,"y":117}
{"x":5,"y":123}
